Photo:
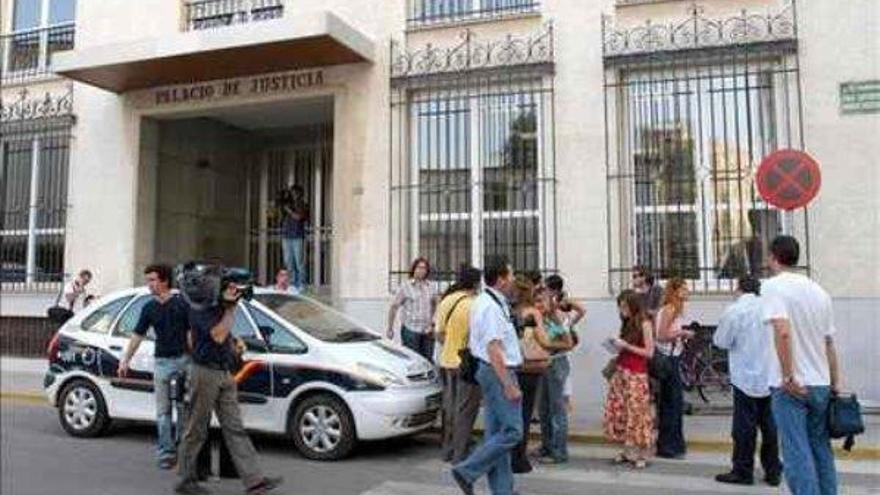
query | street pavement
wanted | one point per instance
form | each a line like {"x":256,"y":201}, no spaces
{"x":38,"y":458}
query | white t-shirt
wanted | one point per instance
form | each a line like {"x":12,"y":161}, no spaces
{"x":73,"y":296}
{"x":807,"y":307}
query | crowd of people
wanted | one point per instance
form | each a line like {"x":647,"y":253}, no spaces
{"x":504,"y":347}
{"x":502,"y":341}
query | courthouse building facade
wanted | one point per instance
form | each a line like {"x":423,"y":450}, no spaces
{"x":577,"y":137}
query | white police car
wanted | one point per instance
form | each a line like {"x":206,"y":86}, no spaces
{"x":310,"y":372}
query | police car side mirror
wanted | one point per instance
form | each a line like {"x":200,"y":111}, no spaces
{"x":254,"y":344}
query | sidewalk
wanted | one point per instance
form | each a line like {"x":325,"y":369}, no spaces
{"x":23,"y":378}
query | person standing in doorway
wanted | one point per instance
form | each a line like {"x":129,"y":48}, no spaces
{"x":167,"y":315}
{"x":805,"y":372}
{"x":416,"y":297}
{"x":293,"y":233}
{"x":76,"y":289}
{"x":742,"y":331}
{"x":494,"y":345}
{"x":461,"y":400}
{"x":212,"y":389}
{"x":670,"y":337}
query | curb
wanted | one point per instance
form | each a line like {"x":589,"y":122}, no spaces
{"x":32,"y":397}
{"x":713,"y":446}
{"x":586,"y":438}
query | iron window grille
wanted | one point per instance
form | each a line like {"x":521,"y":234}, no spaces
{"x":35,"y":136}
{"x":691,"y":110}
{"x":209,"y":14}
{"x":429,"y":12}
{"x":472,"y":164}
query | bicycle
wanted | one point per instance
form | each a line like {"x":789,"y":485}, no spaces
{"x":704,"y":367}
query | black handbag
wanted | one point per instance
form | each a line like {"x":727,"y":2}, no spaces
{"x":660,"y":366}
{"x":58,"y":314}
{"x":467,"y":370}
{"x":845,"y":419}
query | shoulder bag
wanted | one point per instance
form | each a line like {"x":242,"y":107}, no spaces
{"x":845,"y":419}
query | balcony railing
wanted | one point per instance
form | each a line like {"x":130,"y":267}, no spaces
{"x":28,"y":54}
{"x":209,"y":14}
{"x":431,"y":12}
{"x":639,"y":2}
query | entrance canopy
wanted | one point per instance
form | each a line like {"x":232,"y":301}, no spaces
{"x":309,"y":39}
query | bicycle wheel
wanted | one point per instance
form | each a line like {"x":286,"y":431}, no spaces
{"x":714,"y":384}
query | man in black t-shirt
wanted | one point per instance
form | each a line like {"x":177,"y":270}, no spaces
{"x":167,"y":315}
{"x":212,"y":388}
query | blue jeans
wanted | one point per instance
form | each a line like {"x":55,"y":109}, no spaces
{"x":422,"y":343}
{"x":554,"y":415}
{"x":165,"y":368}
{"x":503,"y":421}
{"x":292,"y":250}
{"x":807,"y":458}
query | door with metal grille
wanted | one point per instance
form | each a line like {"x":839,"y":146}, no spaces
{"x":308,"y":165}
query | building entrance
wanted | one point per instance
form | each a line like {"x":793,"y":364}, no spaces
{"x":219,"y":177}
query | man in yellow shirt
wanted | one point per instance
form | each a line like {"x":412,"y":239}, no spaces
{"x":461,"y":400}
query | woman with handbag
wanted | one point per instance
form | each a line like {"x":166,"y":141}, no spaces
{"x":670,"y":337}
{"x":536,"y":360}
{"x":629,"y":416}
{"x":552,"y":405}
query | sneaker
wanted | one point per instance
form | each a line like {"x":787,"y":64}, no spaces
{"x":773,"y":479}
{"x":734,"y":479}
{"x":464,"y":485}
{"x":265,"y":486}
{"x":191,"y":488}
{"x":168,"y":463}
{"x":550,"y":460}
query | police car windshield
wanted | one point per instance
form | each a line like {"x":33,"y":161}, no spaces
{"x":319,"y":321}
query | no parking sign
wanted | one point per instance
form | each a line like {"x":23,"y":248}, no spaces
{"x":788,"y":179}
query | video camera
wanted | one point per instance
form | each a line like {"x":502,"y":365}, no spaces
{"x":202,"y":284}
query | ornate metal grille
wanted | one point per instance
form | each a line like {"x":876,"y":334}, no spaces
{"x":34,"y":154}
{"x":692,"y":108}
{"x":472,"y":164}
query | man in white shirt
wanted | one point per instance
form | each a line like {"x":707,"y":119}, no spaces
{"x":76,"y":289}
{"x":743,"y":332}
{"x":492,"y":340}
{"x":805,"y":372}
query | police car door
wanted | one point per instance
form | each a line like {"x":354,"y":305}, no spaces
{"x":133,"y":396}
{"x":253,"y":377}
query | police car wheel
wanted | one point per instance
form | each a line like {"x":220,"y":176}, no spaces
{"x":322,"y":428}
{"x":82,"y":410}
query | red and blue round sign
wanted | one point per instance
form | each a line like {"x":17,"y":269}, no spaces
{"x":788,"y":179}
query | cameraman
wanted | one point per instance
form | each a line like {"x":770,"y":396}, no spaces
{"x":212,"y":388}
{"x":293,"y":233}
